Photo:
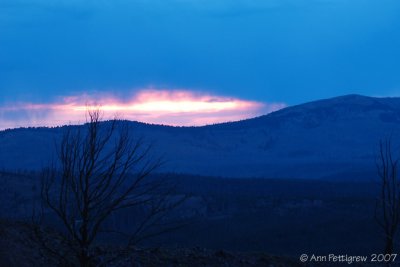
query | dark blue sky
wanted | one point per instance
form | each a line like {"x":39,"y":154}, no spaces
{"x":289,"y":51}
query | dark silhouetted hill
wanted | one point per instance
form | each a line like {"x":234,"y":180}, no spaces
{"x":332,"y":138}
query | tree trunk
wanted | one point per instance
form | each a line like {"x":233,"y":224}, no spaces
{"x":389,"y":245}
{"x":84,"y":259}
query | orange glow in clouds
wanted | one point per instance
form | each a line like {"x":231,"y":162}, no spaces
{"x":178,"y":108}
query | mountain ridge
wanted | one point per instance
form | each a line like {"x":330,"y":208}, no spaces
{"x":312,"y":140}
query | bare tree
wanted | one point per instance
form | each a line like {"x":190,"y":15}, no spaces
{"x":101,"y":169}
{"x":387,"y":211}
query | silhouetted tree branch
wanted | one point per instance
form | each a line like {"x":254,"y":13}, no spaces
{"x":101,"y":169}
{"x":387,"y":211}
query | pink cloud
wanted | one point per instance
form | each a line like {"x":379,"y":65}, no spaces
{"x":178,"y":108}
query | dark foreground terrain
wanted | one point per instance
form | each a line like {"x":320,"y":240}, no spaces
{"x":225,"y":222}
{"x":19,"y":247}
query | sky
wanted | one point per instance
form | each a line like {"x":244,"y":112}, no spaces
{"x":190,"y":62}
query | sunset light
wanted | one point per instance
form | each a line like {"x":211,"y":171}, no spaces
{"x":178,"y":108}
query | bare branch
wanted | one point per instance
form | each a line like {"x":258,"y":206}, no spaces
{"x":387,"y":208}
{"x":101,"y":169}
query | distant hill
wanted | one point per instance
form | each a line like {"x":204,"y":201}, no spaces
{"x":332,"y":138}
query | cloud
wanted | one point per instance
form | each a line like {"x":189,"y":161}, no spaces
{"x":177,"y":107}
